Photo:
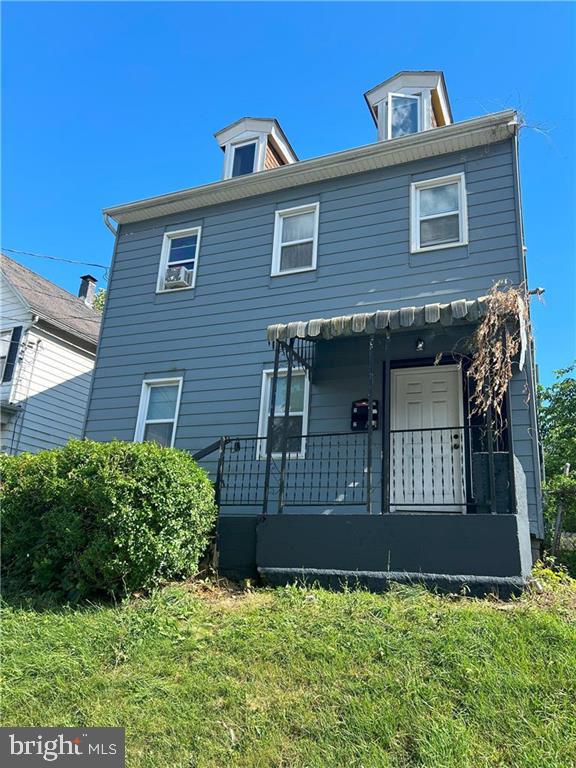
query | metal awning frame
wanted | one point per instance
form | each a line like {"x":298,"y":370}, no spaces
{"x":381,"y":321}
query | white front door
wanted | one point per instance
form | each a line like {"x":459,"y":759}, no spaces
{"x":427,"y":440}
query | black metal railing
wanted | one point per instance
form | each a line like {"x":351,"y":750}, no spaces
{"x":455,"y":469}
{"x":450,"y":469}
{"x":319,"y":470}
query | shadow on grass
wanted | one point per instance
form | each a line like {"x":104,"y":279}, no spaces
{"x":14,"y":596}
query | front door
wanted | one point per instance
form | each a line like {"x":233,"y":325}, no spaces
{"x":427,"y":440}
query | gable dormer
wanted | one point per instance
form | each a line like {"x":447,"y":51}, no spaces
{"x":409,"y":102}
{"x":254,"y":144}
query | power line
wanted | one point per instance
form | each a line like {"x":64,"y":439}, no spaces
{"x":56,"y":317}
{"x":56,"y":258}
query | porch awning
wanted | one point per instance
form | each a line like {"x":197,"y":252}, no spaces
{"x":366,"y":323}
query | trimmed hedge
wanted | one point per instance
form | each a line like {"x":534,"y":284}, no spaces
{"x":92,"y":519}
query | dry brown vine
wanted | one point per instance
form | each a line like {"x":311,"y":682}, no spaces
{"x":495,"y":345}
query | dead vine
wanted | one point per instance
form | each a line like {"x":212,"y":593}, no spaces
{"x":496,"y":343}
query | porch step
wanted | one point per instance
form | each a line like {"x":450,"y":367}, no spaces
{"x":504,"y":587}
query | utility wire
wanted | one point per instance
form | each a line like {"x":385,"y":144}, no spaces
{"x":55,"y":258}
{"x":56,"y":317}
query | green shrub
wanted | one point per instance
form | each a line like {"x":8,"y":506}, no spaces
{"x":93,"y":519}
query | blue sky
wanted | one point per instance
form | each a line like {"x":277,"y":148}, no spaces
{"x":109,"y":102}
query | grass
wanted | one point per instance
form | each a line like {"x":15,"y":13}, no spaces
{"x":209,"y":677}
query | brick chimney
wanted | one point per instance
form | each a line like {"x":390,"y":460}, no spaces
{"x":87,"y":289}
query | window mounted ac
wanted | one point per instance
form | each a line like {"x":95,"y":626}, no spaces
{"x":178,"y":277}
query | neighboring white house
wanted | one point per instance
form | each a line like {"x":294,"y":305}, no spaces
{"x":48,"y":341}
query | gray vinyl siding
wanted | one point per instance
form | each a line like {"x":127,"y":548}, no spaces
{"x":214,"y":334}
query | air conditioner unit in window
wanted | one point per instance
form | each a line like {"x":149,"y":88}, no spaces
{"x":178,"y":277}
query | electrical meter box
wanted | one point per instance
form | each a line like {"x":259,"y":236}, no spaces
{"x":359,"y":415}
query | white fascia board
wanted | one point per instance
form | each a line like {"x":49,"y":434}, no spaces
{"x":282,"y":145}
{"x":488,"y":129}
{"x":444,"y":103}
{"x":246,"y":125}
{"x":407,"y":80}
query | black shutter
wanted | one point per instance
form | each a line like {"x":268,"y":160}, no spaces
{"x":12,"y":354}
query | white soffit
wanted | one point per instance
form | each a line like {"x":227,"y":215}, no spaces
{"x":479,"y":131}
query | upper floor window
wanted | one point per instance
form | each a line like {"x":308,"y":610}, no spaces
{"x":9,"y":343}
{"x":244,"y":159}
{"x":158,"y":412}
{"x":297,"y":413}
{"x":438,"y":213}
{"x":179,"y":260}
{"x":295,"y":239}
{"x":403,"y":115}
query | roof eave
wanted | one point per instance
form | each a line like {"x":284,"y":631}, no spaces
{"x":91,"y":340}
{"x":487,"y":129}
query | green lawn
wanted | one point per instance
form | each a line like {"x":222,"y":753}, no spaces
{"x":205,"y":677}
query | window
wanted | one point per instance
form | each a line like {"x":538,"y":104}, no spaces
{"x":298,"y":413}
{"x":244,"y":156}
{"x":438,"y":210}
{"x":9,"y":343}
{"x":295,"y":240}
{"x":179,"y":260}
{"x":403,"y":115}
{"x":158,"y":412}
{"x":5,"y":338}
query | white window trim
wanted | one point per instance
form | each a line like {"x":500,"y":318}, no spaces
{"x":141,"y":420}
{"x":239,"y":145}
{"x":278,"y":244}
{"x":260,"y":139}
{"x":165,"y":253}
{"x":389,"y":111}
{"x":265,"y":392}
{"x":415,"y":188}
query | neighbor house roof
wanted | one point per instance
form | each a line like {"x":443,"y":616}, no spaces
{"x":50,"y":302}
{"x":457,"y":137}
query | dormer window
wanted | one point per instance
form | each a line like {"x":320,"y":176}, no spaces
{"x":254,"y":144}
{"x":403,"y":115}
{"x":408,"y":103}
{"x":244,"y":159}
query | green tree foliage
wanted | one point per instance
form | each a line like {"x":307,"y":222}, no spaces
{"x":557,"y":415}
{"x":557,"y":412}
{"x":99,"y":300}
{"x":100,"y":519}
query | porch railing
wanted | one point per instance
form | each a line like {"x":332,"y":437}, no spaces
{"x":319,"y":470}
{"x":450,"y":469}
{"x":456,"y":469}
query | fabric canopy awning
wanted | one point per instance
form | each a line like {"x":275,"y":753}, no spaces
{"x":366,"y":323}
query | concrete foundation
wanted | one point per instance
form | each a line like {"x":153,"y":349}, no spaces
{"x":451,"y":552}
